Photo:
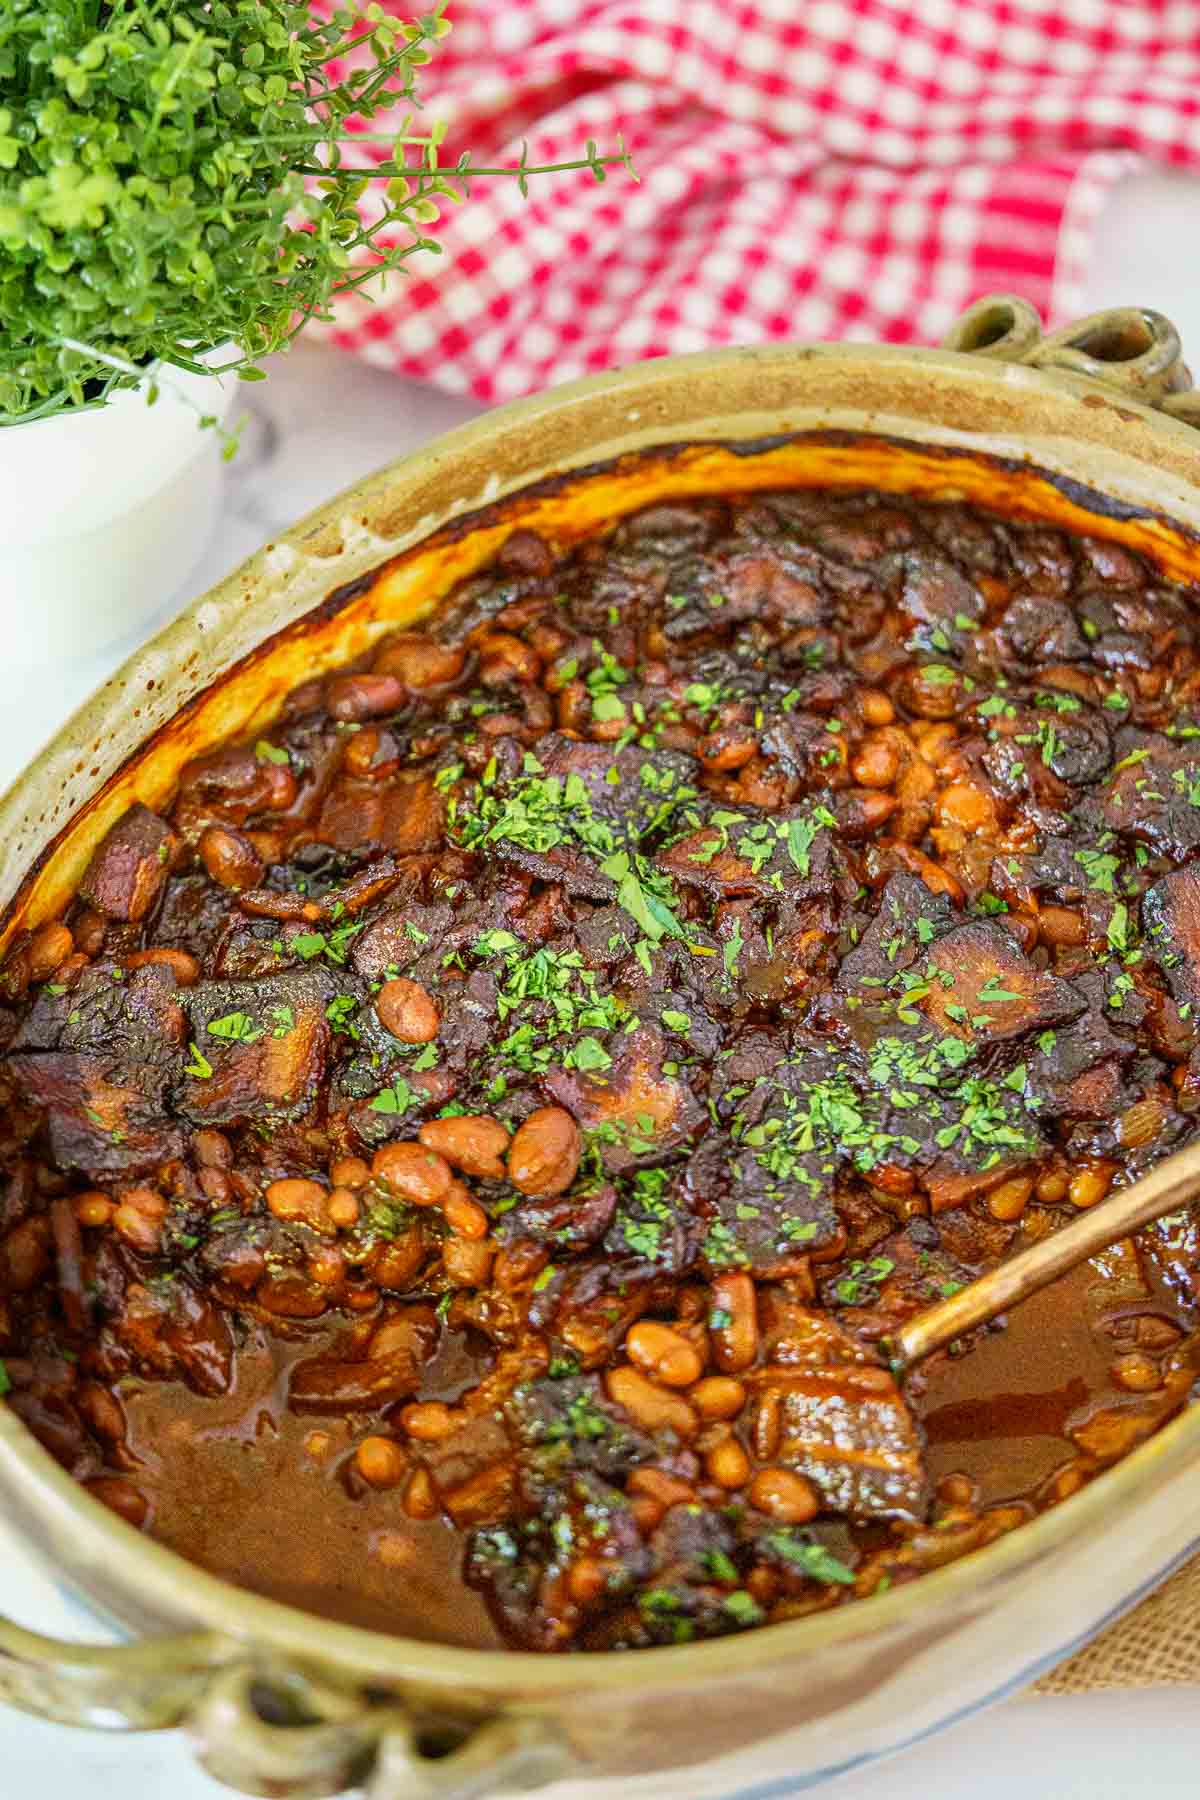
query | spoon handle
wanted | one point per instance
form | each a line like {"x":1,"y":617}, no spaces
{"x":1168,"y":1186}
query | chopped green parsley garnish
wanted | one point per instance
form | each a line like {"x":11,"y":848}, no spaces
{"x":266,"y":752}
{"x":236,"y":1028}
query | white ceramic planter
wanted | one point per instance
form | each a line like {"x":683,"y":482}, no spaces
{"x":104,"y":513}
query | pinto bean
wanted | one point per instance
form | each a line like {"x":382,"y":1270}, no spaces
{"x":360,"y":1299}
{"x":543,"y":1158}
{"x":735,"y":1342}
{"x":71,"y":968}
{"x":235,"y":783}
{"x":265,"y":903}
{"x":350,"y":1172}
{"x":465,"y":1217}
{"x":139,"y":1219}
{"x":504,"y":658}
{"x":352,"y":698}
{"x":93,"y":1208}
{"x":430,"y":1422}
{"x":877,"y":763}
{"x":1059,"y":925}
{"x":935,"y":742}
{"x":727,"y":1464}
{"x":473,"y":1143}
{"x":1153,"y":1333}
{"x":89,"y":931}
{"x":1009,"y":1200}
{"x":1064,"y":1483}
{"x":927,"y":697}
{"x":421,"y":1496}
{"x":182,"y":963}
{"x":877,"y":709}
{"x":405,"y":1009}
{"x":728,"y":749}
{"x":957,"y":1489}
{"x":419,"y":661}
{"x":50,"y":944}
{"x":653,"y":1408}
{"x":381,"y":1462}
{"x":971,"y":808}
{"x":863,"y":810}
{"x":936,"y":879}
{"x":269,"y":845}
{"x":294,"y":1198}
{"x":394,"y":1264}
{"x":326,"y":1267}
{"x":415,"y":1173}
{"x":343,"y":1209}
{"x":230,"y":858}
{"x":784,"y":1495}
{"x":663,"y":1354}
{"x":525,"y":553}
{"x":467,"y":1262}
{"x":587,"y":1579}
{"x":668,"y":1490}
{"x":647,"y":1514}
{"x":292,"y":1296}
{"x":718,"y":1397}
{"x":1137,"y":1372}
{"x":14,"y":975}
{"x":573,"y":707}
{"x":212,"y":1149}
{"x":916,"y":783}
{"x":1090,"y":1185}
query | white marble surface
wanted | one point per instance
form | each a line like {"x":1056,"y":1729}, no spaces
{"x":320,"y":422}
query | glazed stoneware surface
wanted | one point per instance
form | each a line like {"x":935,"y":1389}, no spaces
{"x":935,"y":424}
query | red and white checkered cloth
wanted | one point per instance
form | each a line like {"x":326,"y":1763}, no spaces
{"x":809,"y":169}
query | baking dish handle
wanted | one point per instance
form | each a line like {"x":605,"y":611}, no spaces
{"x":267,"y":1727}
{"x":1129,"y":348}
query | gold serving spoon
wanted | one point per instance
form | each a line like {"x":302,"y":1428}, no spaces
{"x":1167,"y":1187}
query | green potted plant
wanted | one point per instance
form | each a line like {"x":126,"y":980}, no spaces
{"x":173,"y":206}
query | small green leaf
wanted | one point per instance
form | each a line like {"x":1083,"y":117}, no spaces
{"x":606,"y":707}
{"x":397,"y":1099}
{"x":236,"y":1027}
{"x":811,"y":1559}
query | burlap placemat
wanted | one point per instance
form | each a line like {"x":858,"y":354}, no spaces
{"x":1156,"y":1645}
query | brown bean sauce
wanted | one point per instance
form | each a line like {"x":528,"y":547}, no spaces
{"x":463,"y":1162}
